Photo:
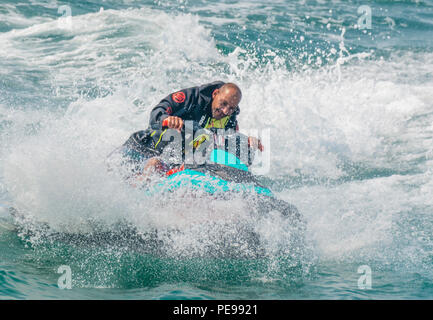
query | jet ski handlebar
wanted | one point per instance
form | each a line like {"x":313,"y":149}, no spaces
{"x":218,"y":138}
{"x":194,"y":126}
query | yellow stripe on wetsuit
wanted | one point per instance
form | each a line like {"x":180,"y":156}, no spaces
{"x":218,"y":124}
{"x":211,"y":123}
{"x":160,"y":137}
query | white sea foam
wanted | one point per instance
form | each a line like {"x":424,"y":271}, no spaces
{"x":367,"y":112}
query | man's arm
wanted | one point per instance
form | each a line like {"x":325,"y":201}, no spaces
{"x":174,"y":104}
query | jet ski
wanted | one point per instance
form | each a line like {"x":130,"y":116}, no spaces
{"x":222,"y":172}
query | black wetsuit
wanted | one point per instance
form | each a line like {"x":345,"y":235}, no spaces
{"x":189,"y":104}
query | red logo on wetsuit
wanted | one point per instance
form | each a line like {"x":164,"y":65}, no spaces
{"x":178,"y":97}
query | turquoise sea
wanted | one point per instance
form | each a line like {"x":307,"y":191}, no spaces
{"x":345,"y":89}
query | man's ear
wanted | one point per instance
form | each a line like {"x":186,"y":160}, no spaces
{"x":215,"y":92}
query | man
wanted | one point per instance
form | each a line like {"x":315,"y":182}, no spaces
{"x":216,"y":101}
{"x":213,"y":105}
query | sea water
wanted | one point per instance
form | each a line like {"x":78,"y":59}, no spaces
{"x":344,"y":88}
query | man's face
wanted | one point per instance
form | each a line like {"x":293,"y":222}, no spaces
{"x":224,"y":102}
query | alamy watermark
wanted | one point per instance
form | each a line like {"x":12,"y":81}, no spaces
{"x":65,"y":11}
{"x":364,"y":21}
{"x":365,"y":280}
{"x":65,"y":21}
{"x":65,"y":280}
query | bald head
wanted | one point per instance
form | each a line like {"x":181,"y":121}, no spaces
{"x":233,"y":89}
{"x":225,"y":100}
